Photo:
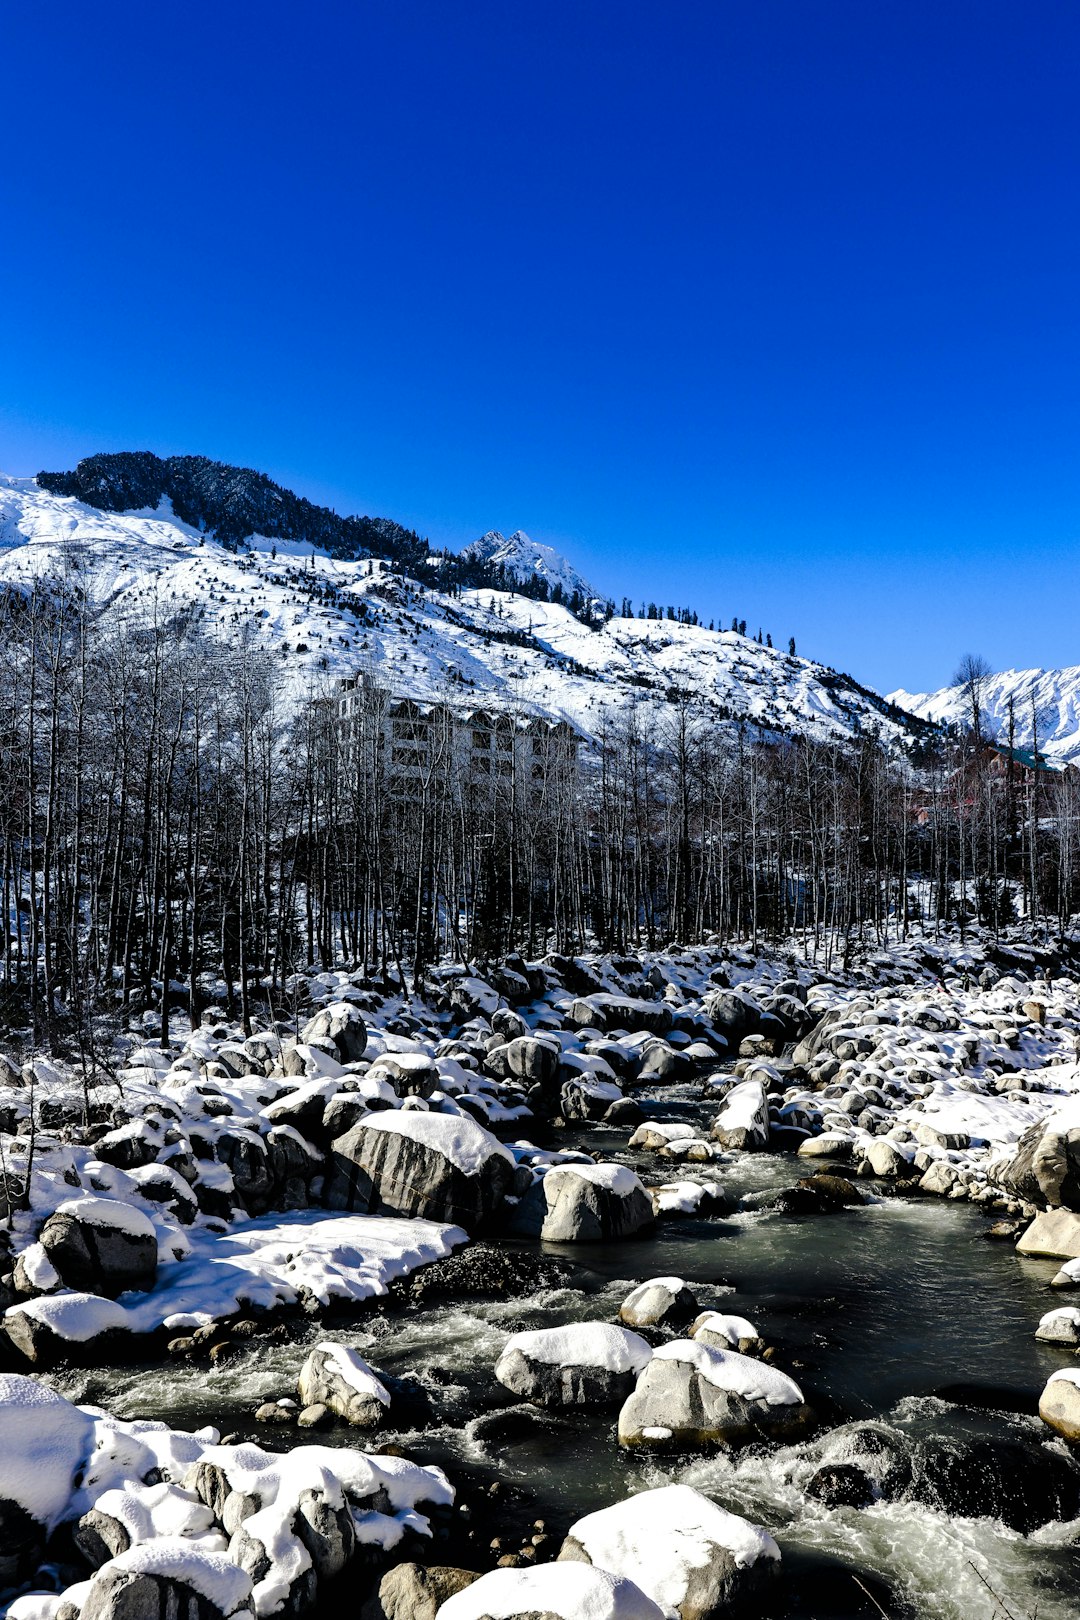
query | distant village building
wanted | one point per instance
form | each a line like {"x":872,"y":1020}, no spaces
{"x":412,"y":742}
{"x":993,"y":764}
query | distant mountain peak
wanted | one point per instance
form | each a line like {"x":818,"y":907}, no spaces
{"x":525,"y":558}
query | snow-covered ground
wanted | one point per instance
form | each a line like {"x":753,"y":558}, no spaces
{"x":323,"y":618}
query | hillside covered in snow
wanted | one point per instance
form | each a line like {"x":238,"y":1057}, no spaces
{"x":325,"y":614}
{"x":1045,"y":709}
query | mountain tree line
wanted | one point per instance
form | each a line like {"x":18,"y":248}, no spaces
{"x":177,"y":830}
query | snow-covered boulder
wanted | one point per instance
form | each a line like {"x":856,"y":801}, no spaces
{"x":552,"y":1592}
{"x":411,"y":1074}
{"x":720,"y":1331}
{"x":167,"y":1579}
{"x":441,"y":1167}
{"x":341,"y":1023}
{"x":584,"y":1203}
{"x":660,"y":1302}
{"x":1059,"y":1403}
{"x":693,"y":1559}
{"x":743,"y":1120}
{"x":607,"y":1012}
{"x":532,"y":1060}
{"x":101,"y":1245}
{"x":43,"y":1441}
{"x":336,"y":1377}
{"x":691,"y":1395}
{"x":585,"y":1097}
{"x":1060,"y":1327}
{"x":582,"y":1364}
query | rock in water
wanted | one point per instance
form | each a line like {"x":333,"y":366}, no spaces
{"x":1059,"y":1403}
{"x":440,"y":1167}
{"x":1055,"y":1233}
{"x":416,"y":1592}
{"x":693,"y":1396}
{"x":743,"y":1121}
{"x":101,"y":1245}
{"x":660,"y":1302}
{"x":689,"y":1556}
{"x":551,"y":1592}
{"x":585,"y":1203}
{"x":582,"y":1364}
{"x":335,"y":1377}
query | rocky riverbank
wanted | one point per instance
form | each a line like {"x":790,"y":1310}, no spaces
{"x":190,"y":1205}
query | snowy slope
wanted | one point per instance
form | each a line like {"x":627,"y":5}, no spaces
{"x":326,"y":617}
{"x":522,"y":557}
{"x":1046,"y":699}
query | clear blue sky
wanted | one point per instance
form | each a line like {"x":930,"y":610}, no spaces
{"x":768,"y":307}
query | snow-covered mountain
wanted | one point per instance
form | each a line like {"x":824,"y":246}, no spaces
{"x":325,"y":616}
{"x":1045,"y":708}
{"x":522,"y":557}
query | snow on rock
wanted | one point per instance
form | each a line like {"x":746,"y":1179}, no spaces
{"x":692,"y":1395}
{"x":560,"y":1590}
{"x":336,"y":1377}
{"x":1059,"y":1404}
{"x":275,"y":1260}
{"x":157,"y":1577}
{"x":585,"y":1203}
{"x":743,"y":1120}
{"x":581,"y":1364}
{"x":659,"y":1302}
{"x":414,"y":1163}
{"x":228,"y":1521}
{"x":694,"y":1559}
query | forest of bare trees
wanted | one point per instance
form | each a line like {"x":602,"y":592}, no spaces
{"x":172,"y":816}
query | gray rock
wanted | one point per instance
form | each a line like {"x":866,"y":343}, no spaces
{"x":1059,"y":1406}
{"x":743,"y":1121}
{"x":416,"y":1592}
{"x":575,"y":1204}
{"x":341,"y":1023}
{"x":1045,"y":1168}
{"x":678,"y":1405}
{"x":390,"y":1172}
{"x":660,"y":1302}
{"x":533,"y":1060}
{"x":729,"y":1567}
{"x":582,"y":1364}
{"x":322,"y":1382}
{"x":96,"y":1258}
{"x":119,"y":1594}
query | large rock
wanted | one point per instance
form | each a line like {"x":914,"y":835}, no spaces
{"x":552,"y":1592}
{"x":411,"y":1074}
{"x":168,"y":1579}
{"x":691,"y":1557}
{"x":743,"y":1120}
{"x":1045,"y":1167}
{"x":336,"y":1377}
{"x":101,"y":1246}
{"x":1059,"y":1403}
{"x":582,"y":1364}
{"x":607,"y":1012}
{"x":1055,"y":1233}
{"x":441,"y":1167}
{"x":533,"y":1060}
{"x":341,"y":1023}
{"x":585,"y":1203}
{"x":691,"y":1396}
{"x":660,"y":1302}
{"x":416,"y":1592}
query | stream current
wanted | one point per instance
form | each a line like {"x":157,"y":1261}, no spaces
{"x":898,"y":1314}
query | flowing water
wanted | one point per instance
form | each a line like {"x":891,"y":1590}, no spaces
{"x":900,"y":1314}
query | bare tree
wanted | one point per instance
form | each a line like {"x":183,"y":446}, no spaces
{"x":972,"y":674}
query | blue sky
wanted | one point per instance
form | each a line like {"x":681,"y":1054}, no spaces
{"x":770,"y":307}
